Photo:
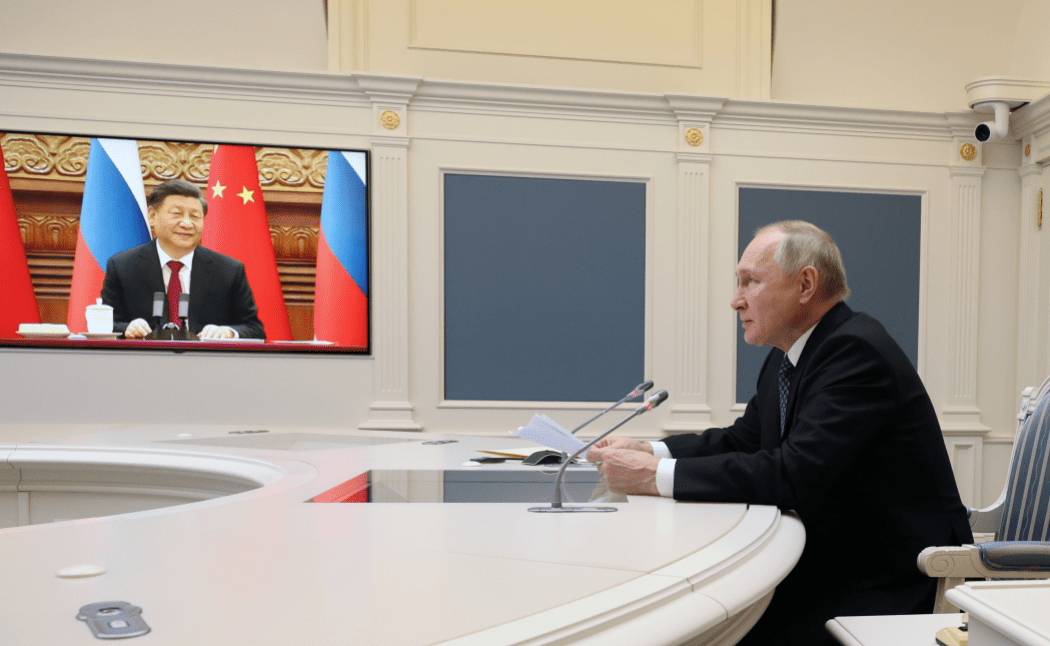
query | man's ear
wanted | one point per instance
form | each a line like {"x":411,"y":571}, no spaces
{"x":808,"y":281}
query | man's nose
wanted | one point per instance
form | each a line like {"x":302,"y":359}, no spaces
{"x":737,"y":302}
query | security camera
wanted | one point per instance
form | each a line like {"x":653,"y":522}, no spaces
{"x":993,"y":130}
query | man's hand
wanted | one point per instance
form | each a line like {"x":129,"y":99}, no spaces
{"x":630,"y":472}
{"x":137,"y":329}
{"x":217,"y":332}
{"x":624,"y":443}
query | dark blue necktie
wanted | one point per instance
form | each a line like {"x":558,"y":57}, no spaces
{"x":785,"y":384}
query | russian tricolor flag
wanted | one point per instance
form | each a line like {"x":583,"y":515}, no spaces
{"x":112,"y":219}
{"x":341,"y":301}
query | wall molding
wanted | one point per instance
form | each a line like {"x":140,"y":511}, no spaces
{"x":362,"y":89}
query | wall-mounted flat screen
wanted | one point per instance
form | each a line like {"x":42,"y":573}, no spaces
{"x":179,"y":245}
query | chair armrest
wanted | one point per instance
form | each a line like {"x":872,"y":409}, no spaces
{"x":1016,"y":556}
{"x":1006,"y":560}
{"x":952,"y":562}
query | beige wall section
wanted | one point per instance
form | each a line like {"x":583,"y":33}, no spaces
{"x":717,"y":48}
{"x":262,"y":34}
{"x":1031,"y":48}
{"x":902,"y":54}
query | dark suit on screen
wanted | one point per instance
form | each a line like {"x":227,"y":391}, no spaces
{"x":863,"y":464}
{"x":219,"y":290}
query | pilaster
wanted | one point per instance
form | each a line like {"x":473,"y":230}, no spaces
{"x":691,"y":411}
{"x":392,"y":409}
{"x":1030,"y":369}
{"x":960,"y":416}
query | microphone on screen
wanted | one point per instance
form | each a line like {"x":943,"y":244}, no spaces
{"x":556,"y":506}
{"x":184,"y":306}
{"x":158,"y":307}
{"x":158,"y":315}
{"x":184,"y":313}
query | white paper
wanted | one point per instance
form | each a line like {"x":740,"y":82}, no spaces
{"x":546,"y":432}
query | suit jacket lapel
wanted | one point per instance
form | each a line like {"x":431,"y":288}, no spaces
{"x":200,"y":275}
{"x":835,"y":317}
{"x":148,"y":268}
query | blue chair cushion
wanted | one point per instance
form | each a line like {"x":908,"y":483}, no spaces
{"x":1030,"y":556}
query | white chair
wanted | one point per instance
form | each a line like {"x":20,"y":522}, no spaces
{"x":1020,"y":518}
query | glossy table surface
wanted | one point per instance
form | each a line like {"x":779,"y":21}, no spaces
{"x":267,"y":566}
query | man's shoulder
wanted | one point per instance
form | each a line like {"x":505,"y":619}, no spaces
{"x":127,"y":255}
{"x":210,"y":255}
{"x":863,"y":333}
{"x":861,"y":324}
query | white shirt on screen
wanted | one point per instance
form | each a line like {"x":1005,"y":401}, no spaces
{"x":184,"y":273}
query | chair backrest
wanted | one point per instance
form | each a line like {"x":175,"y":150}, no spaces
{"x":1026,"y":509}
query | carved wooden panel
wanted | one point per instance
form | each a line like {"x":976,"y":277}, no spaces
{"x":45,"y":155}
{"x":66,"y":157}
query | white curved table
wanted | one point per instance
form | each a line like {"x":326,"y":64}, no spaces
{"x":253,"y":562}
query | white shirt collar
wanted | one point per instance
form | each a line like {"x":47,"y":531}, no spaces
{"x":795,"y":353}
{"x":187,"y":260}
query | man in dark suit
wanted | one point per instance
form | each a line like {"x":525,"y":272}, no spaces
{"x":853,"y":445}
{"x":221,"y":304}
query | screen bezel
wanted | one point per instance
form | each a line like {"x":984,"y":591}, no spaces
{"x":19,"y":183}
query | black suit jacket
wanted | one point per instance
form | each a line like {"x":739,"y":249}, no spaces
{"x":219,"y":290}
{"x":862,"y":461}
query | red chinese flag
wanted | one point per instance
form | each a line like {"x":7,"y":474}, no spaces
{"x":17,"y":300}
{"x":236,"y":225}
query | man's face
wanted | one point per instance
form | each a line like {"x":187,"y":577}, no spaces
{"x":767,"y":300}
{"x":178,"y":224}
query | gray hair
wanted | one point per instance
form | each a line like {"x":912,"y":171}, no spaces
{"x":805,"y":245}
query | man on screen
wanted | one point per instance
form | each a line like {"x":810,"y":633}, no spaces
{"x":221,"y":304}
{"x":841,"y":431}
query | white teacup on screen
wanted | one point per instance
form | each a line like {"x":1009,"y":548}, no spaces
{"x":99,"y":318}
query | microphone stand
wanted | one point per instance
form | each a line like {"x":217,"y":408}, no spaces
{"x":556,"y":506}
{"x":638,"y":391}
{"x":158,"y":313}
{"x":546,"y":456}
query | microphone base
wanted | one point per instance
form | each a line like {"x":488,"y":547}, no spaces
{"x":570,"y":510}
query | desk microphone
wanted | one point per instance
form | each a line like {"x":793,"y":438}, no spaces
{"x":638,"y":391}
{"x":556,"y":506}
{"x":555,"y":457}
{"x":158,"y":307}
{"x":158,"y":314}
{"x":184,"y":306}
{"x":184,"y":314}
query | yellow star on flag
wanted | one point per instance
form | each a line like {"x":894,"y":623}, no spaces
{"x":246,"y":195}
{"x":216,"y":191}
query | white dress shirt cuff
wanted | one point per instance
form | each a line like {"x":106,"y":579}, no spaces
{"x":664,"y":470}
{"x":665,"y":477}
{"x":660,"y":450}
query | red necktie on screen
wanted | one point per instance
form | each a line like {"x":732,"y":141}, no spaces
{"x":174,"y":291}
